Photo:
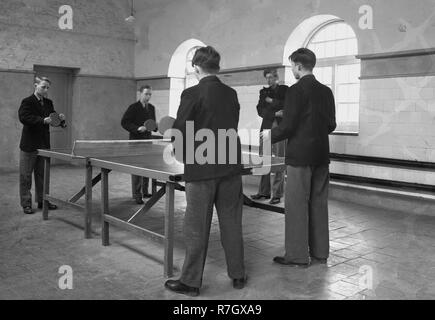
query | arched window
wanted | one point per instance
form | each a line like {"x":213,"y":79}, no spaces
{"x":180,"y":72}
{"x":191,"y":79}
{"x":335,"y":46}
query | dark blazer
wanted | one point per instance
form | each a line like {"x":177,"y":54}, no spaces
{"x":267,"y":110}
{"x":211,"y":105}
{"x":309,"y":117}
{"x":134,"y":117}
{"x":35,"y":134}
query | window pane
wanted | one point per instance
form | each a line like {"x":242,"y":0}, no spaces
{"x":342,"y":30}
{"x":338,"y":40}
{"x":348,"y":73}
{"x":341,"y":74}
{"x":340,"y":48}
{"x":354,"y":92}
{"x":332,"y":32}
{"x":323,"y":35}
{"x":330,"y":49}
{"x":347,"y":117}
{"x":352,"y":47}
{"x":320,"y":50}
{"x":347,"y":93}
{"x":189,"y":57}
{"x":190,"y":77}
{"x":313,"y":47}
{"x":323,"y":75}
{"x":353,"y":112}
{"x":340,"y":112}
{"x":354,"y":73}
{"x":327,"y":75}
{"x":318,"y":74}
{"x":342,"y":94}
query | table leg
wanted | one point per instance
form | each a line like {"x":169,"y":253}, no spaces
{"x":153,"y":186}
{"x":104,"y":206}
{"x":46,"y":188}
{"x":88,"y":202}
{"x":169,"y":230}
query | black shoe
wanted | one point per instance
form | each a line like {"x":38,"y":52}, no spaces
{"x":179,"y":287}
{"x":283,"y":261}
{"x":259,"y":197}
{"x":315,"y":260}
{"x":28,"y":210}
{"x":50,"y":206}
{"x":275,"y":200}
{"x":139,"y":201}
{"x":147,"y":195}
{"x":239,"y":283}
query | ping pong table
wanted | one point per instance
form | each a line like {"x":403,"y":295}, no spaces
{"x":137,"y":157}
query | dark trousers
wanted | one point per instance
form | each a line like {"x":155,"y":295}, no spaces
{"x":306,"y":213}
{"x":30,"y":163}
{"x":278,"y":149}
{"x":139,"y":186}
{"x":227,"y":195}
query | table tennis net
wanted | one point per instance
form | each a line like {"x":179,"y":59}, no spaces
{"x":117,"y":148}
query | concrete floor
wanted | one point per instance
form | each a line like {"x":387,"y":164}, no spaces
{"x":375,"y":254}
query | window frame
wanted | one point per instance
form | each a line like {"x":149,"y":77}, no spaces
{"x":334,"y":62}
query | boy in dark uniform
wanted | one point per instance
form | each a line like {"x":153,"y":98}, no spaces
{"x":269,"y":107}
{"x":308,"y":119}
{"x":211,"y":106}
{"x":34,"y":114}
{"x":133,"y":121}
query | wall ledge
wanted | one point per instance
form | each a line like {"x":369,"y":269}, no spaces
{"x":397,"y":54}
{"x":223,"y":71}
{"x":28,"y":71}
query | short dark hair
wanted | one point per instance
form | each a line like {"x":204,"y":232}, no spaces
{"x":305,"y":57}
{"x":272,"y":71}
{"x":142,"y":88}
{"x":207,"y":58}
{"x":38,"y":80}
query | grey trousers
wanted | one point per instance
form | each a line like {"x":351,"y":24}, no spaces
{"x":278,"y":149}
{"x":227,"y":195}
{"x":30,"y":163}
{"x":306,"y":213}
{"x":139,"y":186}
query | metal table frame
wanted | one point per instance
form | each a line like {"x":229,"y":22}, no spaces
{"x":168,"y":183}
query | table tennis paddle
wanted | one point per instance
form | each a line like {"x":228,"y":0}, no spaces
{"x":56,"y":121}
{"x":150,"y":125}
{"x":165,"y":124}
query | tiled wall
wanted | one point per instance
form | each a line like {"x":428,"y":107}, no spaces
{"x":397,"y":120}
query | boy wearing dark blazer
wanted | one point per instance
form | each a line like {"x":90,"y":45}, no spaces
{"x":270,"y":108}
{"x":34,"y":114}
{"x":210,"y":106}
{"x":308,"y":119}
{"x":133,"y":121}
